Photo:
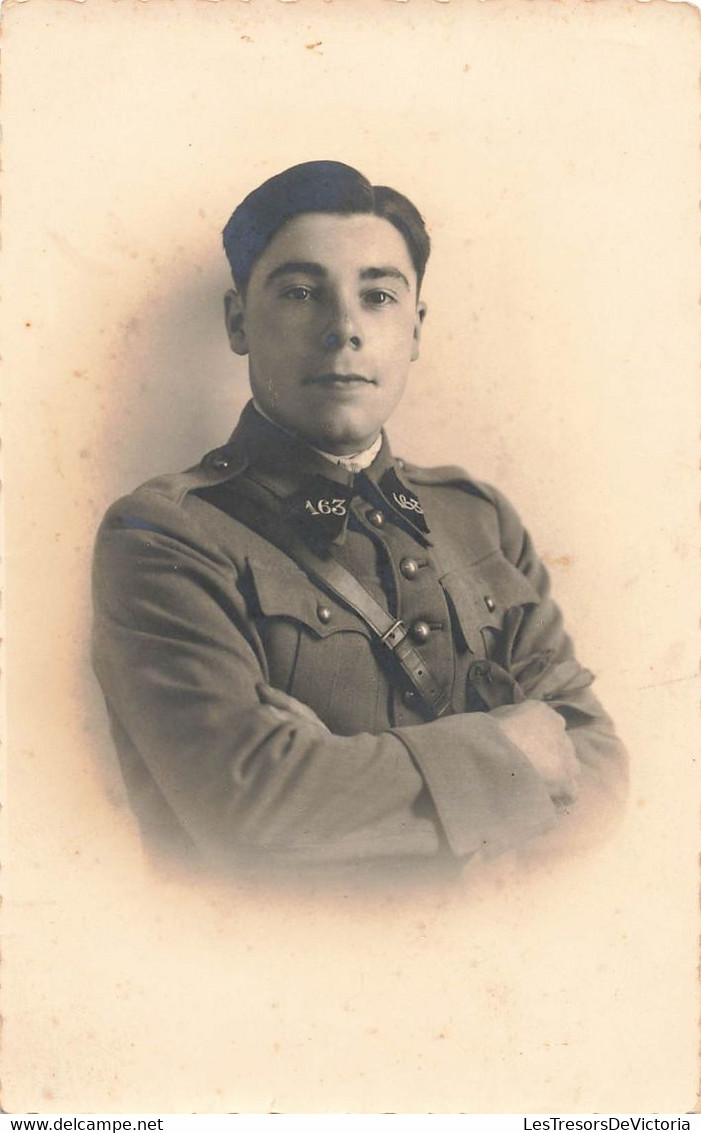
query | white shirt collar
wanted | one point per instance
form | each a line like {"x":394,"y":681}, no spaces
{"x":357,"y":461}
{"x":354,"y":462}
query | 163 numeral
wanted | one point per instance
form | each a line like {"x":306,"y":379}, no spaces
{"x":326,"y":507}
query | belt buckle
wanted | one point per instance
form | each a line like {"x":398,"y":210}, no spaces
{"x":398,"y":628}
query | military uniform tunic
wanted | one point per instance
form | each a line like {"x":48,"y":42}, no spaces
{"x":199,"y":604}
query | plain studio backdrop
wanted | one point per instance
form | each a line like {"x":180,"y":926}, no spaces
{"x":551,"y":147}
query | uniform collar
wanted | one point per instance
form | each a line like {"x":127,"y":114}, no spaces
{"x":281,"y":461}
{"x":354,"y":462}
{"x":290,"y":469}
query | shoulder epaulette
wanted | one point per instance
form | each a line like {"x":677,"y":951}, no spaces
{"x":215,"y":468}
{"x":448,"y":475}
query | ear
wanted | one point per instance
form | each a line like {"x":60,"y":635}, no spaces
{"x":421,"y":310}
{"x":233,"y":313}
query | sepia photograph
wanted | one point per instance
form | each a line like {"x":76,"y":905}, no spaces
{"x":302,"y":658}
{"x":349,"y":588}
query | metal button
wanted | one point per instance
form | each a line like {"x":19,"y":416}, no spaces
{"x":409,"y":697}
{"x":489,"y":603}
{"x":409,"y":568}
{"x":420,"y":631}
{"x":323,"y":613}
{"x":222,"y":462}
{"x":376,"y":518}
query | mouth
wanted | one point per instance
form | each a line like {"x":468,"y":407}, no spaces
{"x":339,"y":381}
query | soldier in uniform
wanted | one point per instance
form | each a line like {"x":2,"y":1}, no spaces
{"x":315,"y":653}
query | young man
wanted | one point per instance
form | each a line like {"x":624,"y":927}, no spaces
{"x":311,"y":651}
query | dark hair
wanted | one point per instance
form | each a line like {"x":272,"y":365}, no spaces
{"x":316,"y":186}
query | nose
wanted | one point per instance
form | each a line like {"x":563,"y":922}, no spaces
{"x":342,"y":329}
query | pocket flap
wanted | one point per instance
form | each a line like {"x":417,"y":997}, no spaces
{"x":287,"y":592}
{"x":483,"y":592}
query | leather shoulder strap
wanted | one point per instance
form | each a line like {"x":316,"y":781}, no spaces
{"x":267,"y":520}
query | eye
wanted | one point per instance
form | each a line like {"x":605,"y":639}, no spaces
{"x":299,"y":293}
{"x":378,"y":298}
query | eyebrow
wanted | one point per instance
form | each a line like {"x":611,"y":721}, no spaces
{"x":385,"y":273}
{"x":306,"y":267}
{"x":292,"y":267}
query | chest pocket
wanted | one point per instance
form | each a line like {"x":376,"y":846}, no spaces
{"x":287,"y":593}
{"x":488,"y":598}
{"x":316,"y":649}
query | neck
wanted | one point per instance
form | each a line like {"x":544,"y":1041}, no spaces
{"x":353,"y":461}
{"x":357,"y":461}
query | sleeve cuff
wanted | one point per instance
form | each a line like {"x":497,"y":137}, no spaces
{"x":487,"y":795}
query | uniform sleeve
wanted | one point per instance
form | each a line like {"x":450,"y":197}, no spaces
{"x":537,"y":659}
{"x":179,"y":666}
